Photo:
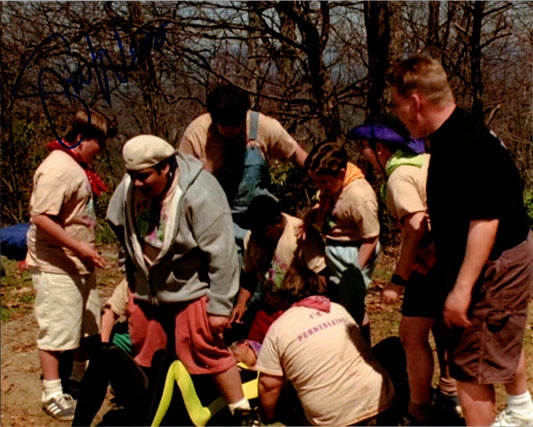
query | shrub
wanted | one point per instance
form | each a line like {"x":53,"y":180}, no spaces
{"x":528,"y":202}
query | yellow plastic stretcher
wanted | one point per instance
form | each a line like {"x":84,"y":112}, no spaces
{"x":199,"y":414}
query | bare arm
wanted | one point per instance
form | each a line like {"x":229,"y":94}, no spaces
{"x":479,"y":244}
{"x":88,"y":254}
{"x":299,"y":156}
{"x":367,"y":250}
{"x":240,"y":305}
{"x":414,"y":229}
{"x":269,"y":390}
{"x":108,"y":321}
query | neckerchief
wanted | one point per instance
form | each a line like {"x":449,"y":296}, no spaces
{"x":97,"y":185}
{"x":317,"y":302}
{"x":400,"y":158}
{"x":327,"y":204}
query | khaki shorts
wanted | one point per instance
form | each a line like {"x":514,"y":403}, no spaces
{"x":489,"y":351}
{"x":67,"y":308}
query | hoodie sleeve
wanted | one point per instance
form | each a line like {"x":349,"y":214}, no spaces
{"x":115,"y":216}
{"x":213,"y":229}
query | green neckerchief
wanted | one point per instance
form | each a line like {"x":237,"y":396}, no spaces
{"x":400,"y":158}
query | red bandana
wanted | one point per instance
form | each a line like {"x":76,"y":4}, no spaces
{"x":98,"y":186}
{"x":318,"y":302}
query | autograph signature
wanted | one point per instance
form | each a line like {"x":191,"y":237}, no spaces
{"x":98,"y":66}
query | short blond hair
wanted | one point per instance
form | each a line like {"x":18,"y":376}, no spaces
{"x":425,"y":75}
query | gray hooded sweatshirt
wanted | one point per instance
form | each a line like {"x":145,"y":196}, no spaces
{"x":199,"y":254}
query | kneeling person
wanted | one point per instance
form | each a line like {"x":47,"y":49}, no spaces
{"x":317,"y":346}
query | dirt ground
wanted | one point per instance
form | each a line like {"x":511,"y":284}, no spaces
{"x":20,"y":369}
{"x":21,"y":372}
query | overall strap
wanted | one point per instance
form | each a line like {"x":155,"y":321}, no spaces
{"x":254,"y":123}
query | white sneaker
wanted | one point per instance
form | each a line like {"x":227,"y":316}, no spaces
{"x":60,"y":406}
{"x":511,"y":418}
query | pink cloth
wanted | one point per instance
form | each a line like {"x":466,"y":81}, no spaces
{"x":200,"y":352}
{"x":97,"y":185}
{"x":318,"y":302}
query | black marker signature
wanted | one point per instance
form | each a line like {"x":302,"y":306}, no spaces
{"x":97,"y":66}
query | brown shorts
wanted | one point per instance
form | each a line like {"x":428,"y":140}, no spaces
{"x":489,"y":351}
{"x":200,"y":352}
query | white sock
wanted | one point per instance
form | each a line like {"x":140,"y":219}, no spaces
{"x":520,"y":403}
{"x":241,"y":404}
{"x":51,"y":388}
{"x":78,"y":369}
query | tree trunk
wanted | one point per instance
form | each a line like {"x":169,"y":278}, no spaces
{"x":475,"y":59}
{"x":378,"y":40}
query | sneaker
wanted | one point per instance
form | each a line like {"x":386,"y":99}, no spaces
{"x":511,"y":418}
{"x":246,"y":417}
{"x":60,"y":406}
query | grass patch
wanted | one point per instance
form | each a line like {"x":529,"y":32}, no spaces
{"x":17,"y":290}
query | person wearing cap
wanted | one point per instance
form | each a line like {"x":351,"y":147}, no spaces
{"x":174,"y":223}
{"x":62,"y":256}
{"x":271,"y":247}
{"x":347,"y":218}
{"x":483,"y":243}
{"x":386,"y":145}
{"x":236,"y":145}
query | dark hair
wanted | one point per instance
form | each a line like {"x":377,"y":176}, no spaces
{"x":263,"y":211}
{"x":170,"y":161}
{"x":300,"y":282}
{"x":92,"y":125}
{"x":327,"y":158}
{"x":228,"y":105}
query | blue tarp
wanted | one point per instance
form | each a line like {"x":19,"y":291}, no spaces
{"x":13,"y":241}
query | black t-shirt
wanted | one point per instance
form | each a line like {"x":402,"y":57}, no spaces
{"x":471,"y":176}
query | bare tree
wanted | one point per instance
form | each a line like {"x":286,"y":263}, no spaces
{"x":319,"y":67}
{"x":378,"y":40}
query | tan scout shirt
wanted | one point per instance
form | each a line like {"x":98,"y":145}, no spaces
{"x":60,"y":189}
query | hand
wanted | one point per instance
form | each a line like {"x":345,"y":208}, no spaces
{"x":218,"y":324}
{"x":237,"y":313}
{"x":456,"y":308}
{"x":301,"y":231}
{"x":90,"y":257}
{"x":391,"y":293}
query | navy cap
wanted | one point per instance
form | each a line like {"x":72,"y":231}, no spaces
{"x":378,"y":132}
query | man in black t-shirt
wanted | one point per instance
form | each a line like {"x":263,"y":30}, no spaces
{"x":483,"y":245}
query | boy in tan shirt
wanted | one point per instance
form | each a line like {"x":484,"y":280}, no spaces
{"x":61,"y":252}
{"x":347,"y":219}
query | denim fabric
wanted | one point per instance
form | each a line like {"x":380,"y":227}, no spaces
{"x":254,"y":182}
{"x":348,"y":282}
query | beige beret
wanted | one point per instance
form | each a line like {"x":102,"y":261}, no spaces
{"x":145,"y":151}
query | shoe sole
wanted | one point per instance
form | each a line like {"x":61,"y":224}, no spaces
{"x":58,"y":417}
